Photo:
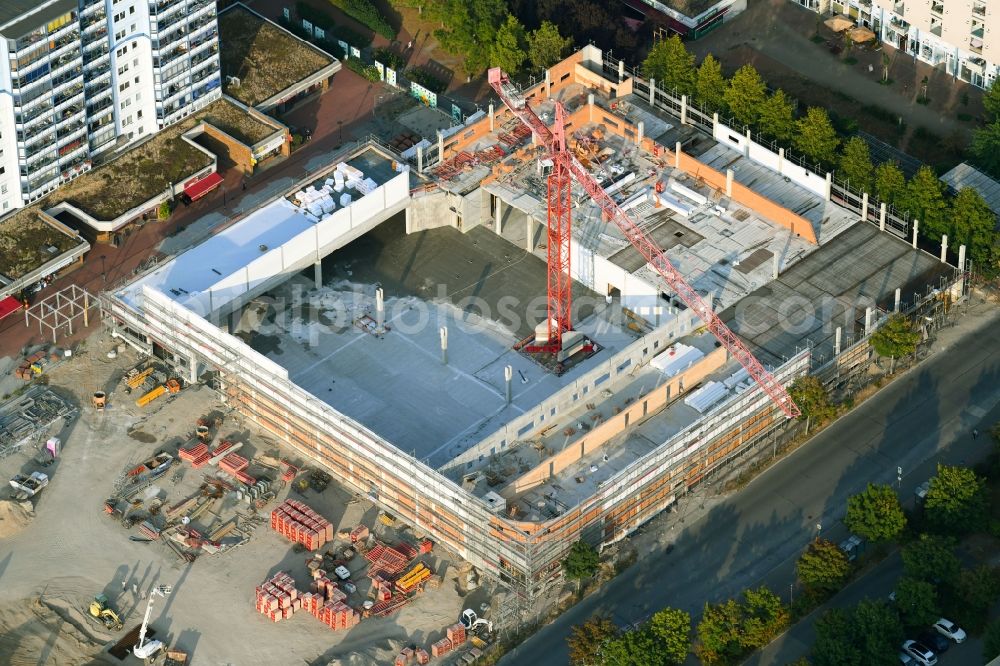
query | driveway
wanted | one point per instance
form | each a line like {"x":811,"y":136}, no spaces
{"x":754,"y":537}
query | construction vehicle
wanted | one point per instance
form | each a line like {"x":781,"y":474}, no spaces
{"x":145,"y":649}
{"x":566,"y":168}
{"x":472,"y":622}
{"x":28,"y":485}
{"x":102,"y":612}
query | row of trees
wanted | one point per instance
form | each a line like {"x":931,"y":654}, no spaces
{"x":986,"y":141}
{"x":664,"y":640}
{"x":966,"y":218}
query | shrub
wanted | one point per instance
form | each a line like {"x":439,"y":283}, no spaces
{"x":390,"y":59}
{"x":163,"y":212}
{"x":326,"y":22}
{"x":420,"y":77}
{"x":365,"y":12}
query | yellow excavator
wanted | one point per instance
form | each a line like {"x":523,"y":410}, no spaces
{"x":101,"y":611}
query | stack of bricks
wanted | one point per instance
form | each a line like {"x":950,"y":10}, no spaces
{"x":359,"y":533}
{"x":456,"y":634}
{"x":278,"y":598}
{"x":441,"y":648}
{"x":327,"y":603}
{"x":290,"y":471}
{"x":422,"y":656}
{"x":297,"y":522}
{"x":404,"y":658}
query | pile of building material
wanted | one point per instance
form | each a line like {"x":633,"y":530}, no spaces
{"x":299,"y":523}
{"x":278,"y":598}
{"x":234,"y":464}
{"x":441,"y":647}
{"x":36,"y":363}
{"x":197,"y":455}
{"x":385,"y":560}
{"x":413,"y":578}
{"x":456,"y":634}
{"x":327,"y":603}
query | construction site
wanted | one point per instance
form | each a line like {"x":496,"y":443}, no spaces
{"x":393,"y":397}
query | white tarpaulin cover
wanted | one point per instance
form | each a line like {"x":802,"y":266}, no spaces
{"x":706,"y":396}
{"x":676,"y":358}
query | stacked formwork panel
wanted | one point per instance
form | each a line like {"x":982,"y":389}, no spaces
{"x":520,"y":554}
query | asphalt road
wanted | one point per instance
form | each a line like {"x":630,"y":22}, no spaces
{"x":754,"y":536}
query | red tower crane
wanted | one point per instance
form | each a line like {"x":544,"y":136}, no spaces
{"x":565,"y":166}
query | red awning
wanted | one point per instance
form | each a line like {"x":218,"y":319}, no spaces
{"x":9,"y":306}
{"x":204,"y":186}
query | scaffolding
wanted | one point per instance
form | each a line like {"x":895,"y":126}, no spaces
{"x":59,"y":311}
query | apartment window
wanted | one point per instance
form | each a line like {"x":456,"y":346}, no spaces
{"x":135,"y":63}
{"x":123,"y":87}
{"x":119,"y":35}
{"x":3,"y":189}
{"x":3,"y":170}
{"x":137,"y":80}
{"x":121,"y":51}
{"x":131,"y":10}
{"x":139,"y":114}
{"x":132,"y":29}
{"x":122,"y":69}
{"x":119,"y":16}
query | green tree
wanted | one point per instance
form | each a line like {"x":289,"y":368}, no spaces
{"x":764,"y":617}
{"x":975,"y":591}
{"x":777,"y":117}
{"x":582,"y":561}
{"x":917,"y":602}
{"x":815,"y":135}
{"x":586,"y":641}
{"x":719,"y":633}
{"x":823,"y":567}
{"x":878,"y":632}
{"x":985,"y":148}
{"x":957,"y":500}
{"x":991,"y":101}
{"x":710,"y":85}
{"x":812,"y":399}
{"x":508,"y":49}
{"x":856,"y":164}
{"x":974,"y":225}
{"x":875,"y":513}
{"x":991,"y":639}
{"x":670,"y":63}
{"x":890,"y":183}
{"x":469,"y":29}
{"x":671,"y":631}
{"x":633,"y":648}
{"x":931,"y":558}
{"x":896,"y":338}
{"x":163,"y":212}
{"x":924,"y":199}
{"x":546,"y":46}
{"x":745,"y":94}
{"x":834,"y":644}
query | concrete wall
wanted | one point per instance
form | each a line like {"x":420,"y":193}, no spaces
{"x":644,"y":407}
{"x":432,"y":210}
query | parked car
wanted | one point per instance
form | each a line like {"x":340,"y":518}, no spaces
{"x":934,"y":641}
{"x":921,"y":654}
{"x":949,"y":629}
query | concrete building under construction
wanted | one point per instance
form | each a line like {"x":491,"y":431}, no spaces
{"x":374,"y":317}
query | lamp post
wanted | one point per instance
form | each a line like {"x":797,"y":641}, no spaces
{"x":104,"y":273}
{"x":340,"y":127}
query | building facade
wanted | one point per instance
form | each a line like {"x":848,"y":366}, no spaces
{"x":962,"y":37}
{"x":79,"y":78}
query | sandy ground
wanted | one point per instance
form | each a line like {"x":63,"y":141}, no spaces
{"x":52,"y":568}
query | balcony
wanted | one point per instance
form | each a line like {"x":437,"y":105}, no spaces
{"x":96,"y":36}
{"x":207,"y":38}
{"x":59,"y":72}
{"x":936,"y":28}
{"x":979,"y":10}
{"x":899,"y":8}
{"x":165,"y":24}
{"x":37,"y":130}
{"x":167,"y":5}
{"x":28,"y":119}
{"x":937,"y":8}
{"x":98,"y":106}
{"x":96,"y":73}
{"x":68,"y":96}
{"x":67,"y":130}
{"x":172,"y":56}
{"x":40,"y":145}
{"x":97,"y":18}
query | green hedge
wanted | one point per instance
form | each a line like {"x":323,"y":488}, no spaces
{"x":333,"y":31}
{"x":390,"y":59}
{"x":365,"y":12}
{"x":370,"y":72}
{"x":424,"y":79}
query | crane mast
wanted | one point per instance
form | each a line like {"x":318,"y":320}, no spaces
{"x":554,"y":141}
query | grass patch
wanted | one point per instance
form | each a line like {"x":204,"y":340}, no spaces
{"x":24,"y":239}
{"x":238,"y":124}
{"x":266,"y":59}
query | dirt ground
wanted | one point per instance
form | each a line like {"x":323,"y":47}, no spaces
{"x":72,"y":550}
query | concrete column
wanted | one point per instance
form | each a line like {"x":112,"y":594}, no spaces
{"x":440,"y":146}
{"x":715,"y":122}
{"x":916,"y":228}
{"x":493,"y":120}
{"x":881,"y":217}
{"x":498,"y":215}
{"x":529,"y":241}
{"x":677,"y":155}
{"x":443,"y":331}
{"x":684,"y":109}
{"x":379,"y":311}
{"x":864,"y":206}
{"x":640,"y":128}
{"x":318,"y":273}
{"x":746,"y":146}
{"x":729,"y":182}
{"x":192,"y":369}
{"x":86,"y":310}
{"x":234,"y":320}
{"x":420,"y":159}
{"x":590,"y":106}
{"x":961,"y":257}
{"x":829,"y":185}
{"x":836,"y":342}
{"x":781,"y":160}
{"x":944,"y":248}
{"x":621,"y":71}
{"x":548,"y":84}
{"x":868,"y":320}
{"x":899,"y":297}
{"x":652,"y":91}
{"x":508,"y":375}
{"x":775,"y":266}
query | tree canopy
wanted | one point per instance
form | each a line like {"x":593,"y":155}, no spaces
{"x":875,"y":513}
{"x":508,"y":48}
{"x":632,"y":648}
{"x":546,"y":46}
{"x":812,"y":398}
{"x":917,"y":602}
{"x":974,"y":593}
{"x":670,"y":63}
{"x":671,"y":632}
{"x":974,"y":225}
{"x":856,"y":164}
{"x":777,"y":117}
{"x":731,"y":629}
{"x":586,"y":641}
{"x":815,"y":135}
{"x":931,"y":558}
{"x":890,"y":182}
{"x":957,"y":500}
{"x":867,"y":635}
{"x":924,"y":199}
{"x":985,"y":148}
{"x":823,"y":567}
{"x":745,"y":94}
{"x":710,"y":84}
{"x":896,"y":338}
{"x":582,"y":561}
{"x":991,"y":641}
{"x":468,"y":28}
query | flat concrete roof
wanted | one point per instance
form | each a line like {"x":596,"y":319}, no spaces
{"x":396,"y":384}
{"x":19,"y":17}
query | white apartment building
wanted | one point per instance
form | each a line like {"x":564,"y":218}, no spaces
{"x":79,"y":78}
{"x":961,"y":37}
